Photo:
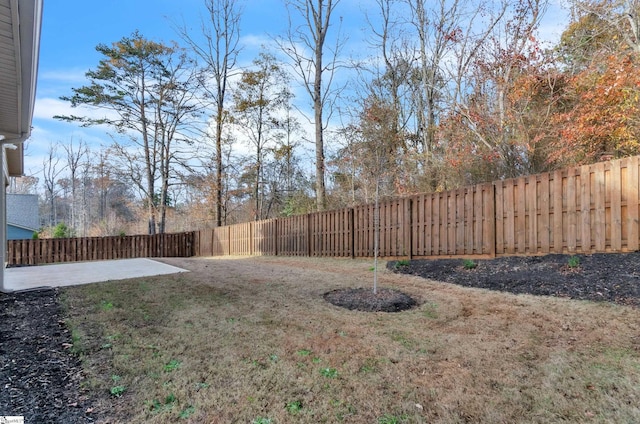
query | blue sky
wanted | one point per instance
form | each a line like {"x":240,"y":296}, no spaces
{"x":72,"y":28}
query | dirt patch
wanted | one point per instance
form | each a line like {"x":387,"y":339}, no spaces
{"x":613,"y":277}
{"x":363,"y":299}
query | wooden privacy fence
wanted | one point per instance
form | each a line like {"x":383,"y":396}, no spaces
{"x":592,"y":208}
{"x":458,"y":222}
{"x":46,"y":251}
{"x":586,"y":209}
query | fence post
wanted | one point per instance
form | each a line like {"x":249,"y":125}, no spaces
{"x":490,"y":219}
{"x":32,"y":252}
{"x":196,"y":244}
{"x":631,"y":189}
{"x":252,"y":241}
{"x":10,"y":248}
{"x":408,"y":227}
{"x":276,"y":235}
{"x":352,"y":244}
{"x":309,"y":234}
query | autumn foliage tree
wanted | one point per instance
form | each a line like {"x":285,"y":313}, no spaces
{"x":373,"y":156}
{"x":603,"y":118}
{"x":485,"y":134}
{"x":531,"y":110}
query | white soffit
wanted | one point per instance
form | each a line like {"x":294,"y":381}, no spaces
{"x":20,"y":23}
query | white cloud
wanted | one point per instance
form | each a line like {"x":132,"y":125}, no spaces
{"x":256,"y":41}
{"x":46,"y":108}
{"x":58,"y":82}
{"x":553,"y":23}
{"x":67,"y":76}
{"x":37,"y":146}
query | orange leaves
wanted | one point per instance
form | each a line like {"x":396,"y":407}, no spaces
{"x":603,"y":116}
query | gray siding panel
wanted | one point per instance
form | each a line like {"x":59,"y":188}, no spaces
{"x":22,"y":210}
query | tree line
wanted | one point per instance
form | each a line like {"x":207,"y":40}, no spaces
{"x":449,"y":93}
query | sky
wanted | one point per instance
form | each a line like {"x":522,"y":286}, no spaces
{"x":71,"y":29}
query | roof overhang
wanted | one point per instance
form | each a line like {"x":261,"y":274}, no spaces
{"x":9,"y":224}
{"x":20,"y":25}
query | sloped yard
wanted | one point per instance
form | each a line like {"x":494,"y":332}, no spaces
{"x":253,"y":340}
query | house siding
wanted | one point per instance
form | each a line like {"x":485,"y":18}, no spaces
{"x":22,"y":211}
{"x":17,"y":233}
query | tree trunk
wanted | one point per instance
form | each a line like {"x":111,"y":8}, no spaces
{"x":218,"y":188}
{"x":321,"y":198}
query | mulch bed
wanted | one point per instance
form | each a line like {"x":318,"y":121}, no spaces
{"x":612,"y":277}
{"x":39,"y":377}
{"x":363,"y":299}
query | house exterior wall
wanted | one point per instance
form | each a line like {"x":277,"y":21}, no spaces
{"x":20,"y":25}
{"x":17,"y":233}
{"x":22,"y":211}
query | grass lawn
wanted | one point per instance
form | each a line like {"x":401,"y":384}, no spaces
{"x":253,"y":341}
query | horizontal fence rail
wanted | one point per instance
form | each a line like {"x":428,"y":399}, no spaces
{"x":586,"y":209}
{"x":56,"y":250}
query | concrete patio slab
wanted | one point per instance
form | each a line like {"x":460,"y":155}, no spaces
{"x":71,"y":274}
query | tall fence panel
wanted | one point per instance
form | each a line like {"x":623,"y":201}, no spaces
{"x":241,"y":239}
{"x":221,"y":241}
{"x":203,"y":243}
{"x":293,"y":236}
{"x":393,"y":220}
{"x":364,"y":217}
{"x":330,"y":233}
{"x":457,"y":222}
{"x":395,"y":230}
{"x":264,"y":237}
{"x":586,"y":209}
{"x":46,"y":251}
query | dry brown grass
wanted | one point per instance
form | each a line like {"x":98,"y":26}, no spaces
{"x":252,"y":336}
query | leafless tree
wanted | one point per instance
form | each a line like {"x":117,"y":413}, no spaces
{"x":51,"y":171}
{"x":75,"y":156}
{"x":219,"y":52}
{"x":315,"y":62}
{"x":27,"y":184}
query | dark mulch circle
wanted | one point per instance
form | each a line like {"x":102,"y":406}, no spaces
{"x":363,"y":299}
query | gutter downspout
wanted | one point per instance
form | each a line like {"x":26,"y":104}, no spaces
{"x":3,"y":208}
{"x":3,"y":217}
